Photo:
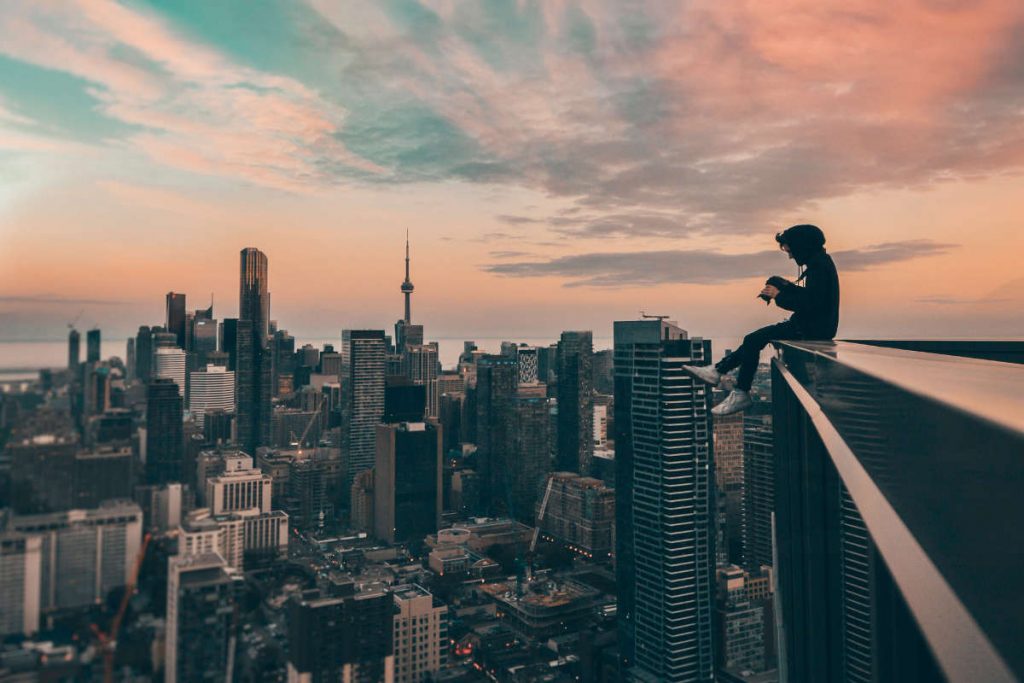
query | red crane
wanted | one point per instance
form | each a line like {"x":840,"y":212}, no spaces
{"x":108,"y":641}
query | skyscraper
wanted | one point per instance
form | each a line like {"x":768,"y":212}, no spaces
{"x":363,"y":377}
{"x":228,"y":340}
{"x":165,"y":450}
{"x":575,"y":402}
{"x":144,"y":354}
{"x":92,"y":346}
{"x":253,"y":376}
{"x":496,"y":382}
{"x":20,"y":581}
{"x":759,"y":492}
{"x":174,"y":321}
{"x":169,"y":363}
{"x":74,"y":343}
{"x":407,"y":481}
{"x":728,"y":437}
{"x":421,"y":366}
{"x":531,"y":455}
{"x":664,"y":504}
{"x":407,"y":334}
{"x":211,"y":388}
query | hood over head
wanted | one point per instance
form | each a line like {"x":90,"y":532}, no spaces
{"x":804,"y":242}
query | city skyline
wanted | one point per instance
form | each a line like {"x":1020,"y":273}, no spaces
{"x":579,"y":165}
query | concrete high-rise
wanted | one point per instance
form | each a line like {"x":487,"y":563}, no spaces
{"x":253,"y":374}
{"x":728,"y":437}
{"x":420,"y":365}
{"x":363,"y":380}
{"x":407,"y":481}
{"x":239,"y":487}
{"x":84,"y":554}
{"x":174,"y":321}
{"x":420,"y":634}
{"x":531,"y":455}
{"x":211,"y":388}
{"x":144,"y":354}
{"x":74,"y":350}
{"x":165,"y":435}
{"x":664,"y":482}
{"x":575,"y":402}
{"x":20,"y":581}
{"x":92,"y":346}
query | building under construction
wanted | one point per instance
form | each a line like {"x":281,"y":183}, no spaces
{"x":580,"y":514}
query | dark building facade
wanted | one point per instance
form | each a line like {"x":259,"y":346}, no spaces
{"x":495,"y":395}
{"x":759,"y":496}
{"x":74,"y":350}
{"x":165,"y":435}
{"x":201,"y":605}
{"x":336,"y":634}
{"x":174,"y":321}
{"x":228,"y":339}
{"x":575,"y":402}
{"x":254,"y":364}
{"x":531,"y":456}
{"x":407,"y":481}
{"x":665,"y":507}
{"x":894,"y":485}
{"x":363,"y":382}
{"x":144,"y":354}
{"x":92,"y":346}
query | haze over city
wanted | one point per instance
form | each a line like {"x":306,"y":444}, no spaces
{"x":557,"y":164}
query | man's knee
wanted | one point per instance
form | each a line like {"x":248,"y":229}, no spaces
{"x":757,"y":338}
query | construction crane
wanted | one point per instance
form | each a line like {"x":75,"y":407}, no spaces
{"x":108,"y":641}
{"x":71,"y":325}
{"x":540,"y":515}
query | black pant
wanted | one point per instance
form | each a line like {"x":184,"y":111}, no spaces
{"x":749,"y":352}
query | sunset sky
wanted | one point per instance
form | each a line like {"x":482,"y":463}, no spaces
{"x":559,"y":165}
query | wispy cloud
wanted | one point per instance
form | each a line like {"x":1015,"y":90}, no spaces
{"x":643,"y":268}
{"x":53,"y":300}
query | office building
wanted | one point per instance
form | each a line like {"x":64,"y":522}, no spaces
{"x":420,"y":634}
{"x":165,"y":434}
{"x":204,"y":337}
{"x":41,"y":457}
{"x":201,"y":622}
{"x":759,"y":492}
{"x":101,"y":474}
{"x":664,"y":504}
{"x":170,"y":363}
{"x":129,"y":359}
{"x":92,"y":346}
{"x":239,"y":486}
{"x":144,"y":354}
{"x":174,"y":320}
{"x":575,"y":402}
{"x":407,"y":481}
{"x":239,"y":537}
{"x":20,"y":582}
{"x":330,"y":363}
{"x":420,"y":365}
{"x":282,"y":349}
{"x":362,"y":502}
{"x":729,"y":476}
{"x":74,"y":344}
{"x":85,"y":554}
{"x":228,"y":340}
{"x":495,"y":396}
{"x":211,"y":388}
{"x":338,"y":634}
{"x":253,"y":361}
{"x":363,"y":380}
{"x":530,"y":455}
{"x":580,"y":514}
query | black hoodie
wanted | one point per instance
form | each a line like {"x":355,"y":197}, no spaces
{"x":815,"y":306}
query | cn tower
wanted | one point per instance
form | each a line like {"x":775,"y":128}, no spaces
{"x":407,"y":285}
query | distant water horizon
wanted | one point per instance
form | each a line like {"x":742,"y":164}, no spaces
{"x":23,"y":359}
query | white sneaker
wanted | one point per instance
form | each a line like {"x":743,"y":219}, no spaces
{"x":705,"y":373}
{"x":736,"y":402}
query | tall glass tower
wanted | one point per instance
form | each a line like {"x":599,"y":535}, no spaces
{"x":664,"y":489}
{"x":253,"y":362}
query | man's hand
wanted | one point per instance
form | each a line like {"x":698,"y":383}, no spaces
{"x":770,"y":291}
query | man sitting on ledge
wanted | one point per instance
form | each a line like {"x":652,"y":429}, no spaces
{"x":815,"y":307}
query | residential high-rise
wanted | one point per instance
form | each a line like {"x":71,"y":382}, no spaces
{"x":407,"y":481}
{"x":728,"y":436}
{"x":496,"y":382}
{"x":759,"y":492}
{"x":421,"y":366}
{"x":174,"y":321}
{"x":211,"y":388}
{"x":92,"y":346}
{"x":337,"y":634}
{"x":201,"y":605}
{"x":74,"y":342}
{"x":665,"y":509}
{"x":165,"y":435}
{"x":239,"y":487}
{"x":420,"y":634}
{"x":20,"y":582}
{"x":170,"y":363}
{"x":253,"y":363}
{"x":363,"y":379}
{"x":144,"y":354}
{"x":575,"y":402}
{"x":531,"y":456}
{"x":84,"y":554}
